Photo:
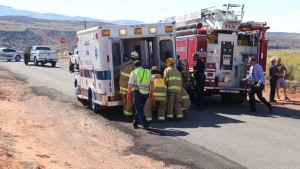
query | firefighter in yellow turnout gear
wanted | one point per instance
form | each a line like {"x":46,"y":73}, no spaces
{"x":160,"y":97}
{"x":173,"y":79}
{"x":186,"y":101}
{"x":125,"y":71}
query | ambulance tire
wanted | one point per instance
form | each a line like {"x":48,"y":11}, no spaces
{"x":43,"y":64}
{"x":93,"y":106}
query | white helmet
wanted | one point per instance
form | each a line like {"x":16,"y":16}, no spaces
{"x":134,"y":55}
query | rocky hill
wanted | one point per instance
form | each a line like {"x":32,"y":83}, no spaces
{"x":20,"y":32}
{"x":282,"y":40}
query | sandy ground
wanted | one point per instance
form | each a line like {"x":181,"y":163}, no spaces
{"x":37,"y":132}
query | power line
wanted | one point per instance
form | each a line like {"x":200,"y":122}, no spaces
{"x":149,"y":6}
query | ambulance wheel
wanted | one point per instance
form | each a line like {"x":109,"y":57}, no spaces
{"x":92,"y":105}
{"x":42,"y":63}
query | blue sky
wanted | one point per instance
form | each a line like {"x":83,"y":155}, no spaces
{"x":283,"y":16}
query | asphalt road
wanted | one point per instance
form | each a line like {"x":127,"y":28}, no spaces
{"x":219,"y":136}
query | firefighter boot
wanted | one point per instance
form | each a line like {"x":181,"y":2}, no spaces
{"x":177,"y":106}
{"x":161,"y":110}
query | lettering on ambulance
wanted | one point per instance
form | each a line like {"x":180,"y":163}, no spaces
{"x":96,"y":53}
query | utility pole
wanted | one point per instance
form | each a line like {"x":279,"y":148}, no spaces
{"x":85,"y":23}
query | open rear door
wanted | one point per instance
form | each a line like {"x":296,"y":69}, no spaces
{"x":164,"y":47}
{"x":115,"y":57}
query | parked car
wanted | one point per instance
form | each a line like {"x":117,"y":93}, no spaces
{"x":10,"y":54}
{"x":74,"y":61}
{"x":40,"y":54}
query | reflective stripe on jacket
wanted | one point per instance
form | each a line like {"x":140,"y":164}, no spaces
{"x":173,"y":79}
{"x":186,"y":101}
{"x":125,"y":71}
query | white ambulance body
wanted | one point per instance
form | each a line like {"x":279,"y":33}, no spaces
{"x":102,"y":49}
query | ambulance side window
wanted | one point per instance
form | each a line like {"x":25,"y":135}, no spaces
{"x":116,"y":51}
{"x":166,"y":49}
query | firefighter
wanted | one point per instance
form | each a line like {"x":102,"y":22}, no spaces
{"x":160,"y":96}
{"x":173,"y":81}
{"x":186,"y":101}
{"x":125,"y":70}
{"x":142,"y":82}
{"x":200,"y":77}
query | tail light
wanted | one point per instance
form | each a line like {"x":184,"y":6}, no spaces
{"x":109,"y":98}
{"x":210,"y":74}
{"x":107,"y":58}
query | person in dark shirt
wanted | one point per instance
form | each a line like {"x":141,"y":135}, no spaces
{"x":179,"y":64}
{"x":274,"y":75}
{"x":199,"y":76}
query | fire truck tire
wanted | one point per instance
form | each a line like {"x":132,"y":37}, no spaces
{"x":233,"y":98}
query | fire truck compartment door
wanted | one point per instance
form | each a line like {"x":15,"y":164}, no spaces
{"x":163,"y":45}
{"x":227,"y":51}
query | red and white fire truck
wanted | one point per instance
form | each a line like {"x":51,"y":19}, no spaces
{"x":225,"y":44}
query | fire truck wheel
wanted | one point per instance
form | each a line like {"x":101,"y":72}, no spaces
{"x":234,"y":98}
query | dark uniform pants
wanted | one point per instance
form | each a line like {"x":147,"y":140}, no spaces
{"x":258,"y":91}
{"x":200,"y":91}
{"x":273,"y":85}
{"x":139,"y":101}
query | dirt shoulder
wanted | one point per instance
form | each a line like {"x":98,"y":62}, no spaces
{"x":37,"y":132}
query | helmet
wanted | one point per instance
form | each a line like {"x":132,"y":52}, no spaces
{"x":170,"y":62}
{"x":155,"y":70}
{"x":134,"y":55}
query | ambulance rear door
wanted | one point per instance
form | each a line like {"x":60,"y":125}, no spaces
{"x":164,"y":47}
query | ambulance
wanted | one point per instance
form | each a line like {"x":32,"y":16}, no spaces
{"x":101,"y":50}
{"x":224,"y":43}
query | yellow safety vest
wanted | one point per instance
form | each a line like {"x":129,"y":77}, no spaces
{"x":142,"y":80}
